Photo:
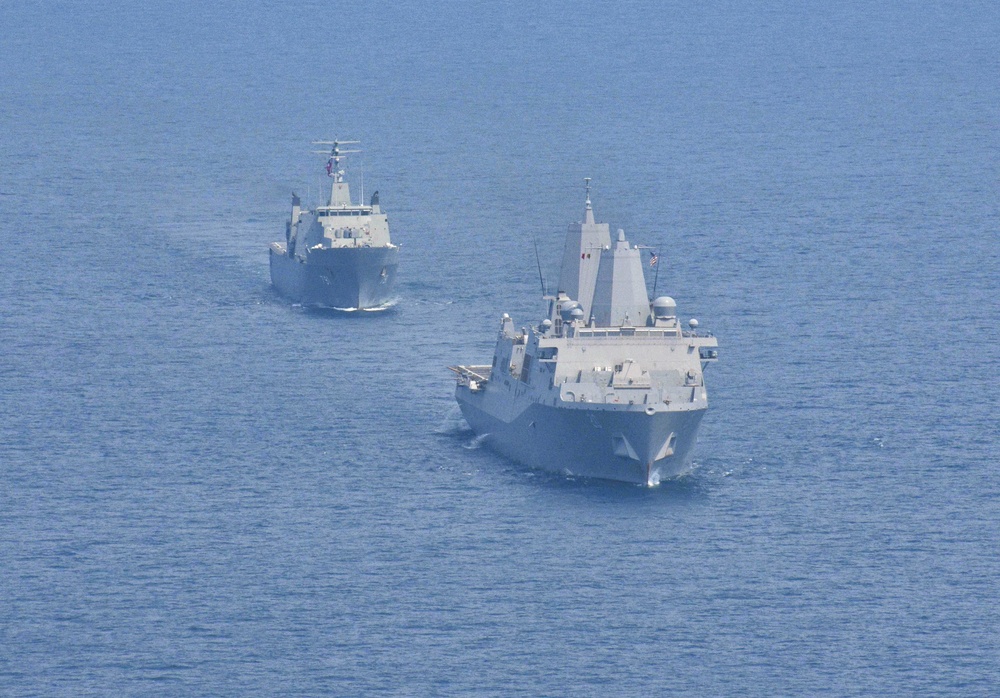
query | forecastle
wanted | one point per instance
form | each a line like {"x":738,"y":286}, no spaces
{"x":340,"y":254}
{"x":608,"y":385}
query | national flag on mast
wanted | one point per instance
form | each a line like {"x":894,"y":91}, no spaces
{"x":653,"y":260}
{"x":329,"y":167}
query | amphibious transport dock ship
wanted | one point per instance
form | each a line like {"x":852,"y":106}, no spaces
{"x":609,"y":385}
{"x":338,"y":255}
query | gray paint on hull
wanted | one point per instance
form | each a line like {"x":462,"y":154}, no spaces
{"x":582,"y":441}
{"x":615,"y":393}
{"x":337,"y":278}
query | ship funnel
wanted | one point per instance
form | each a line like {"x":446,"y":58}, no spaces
{"x":620,"y":288}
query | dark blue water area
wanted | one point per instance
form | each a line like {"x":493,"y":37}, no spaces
{"x":206,"y":490}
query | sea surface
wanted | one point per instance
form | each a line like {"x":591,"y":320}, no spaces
{"x":208,"y":491}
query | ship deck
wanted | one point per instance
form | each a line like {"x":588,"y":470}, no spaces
{"x":476,"y":373}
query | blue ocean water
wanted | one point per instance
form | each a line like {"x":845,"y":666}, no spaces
{"x":207,"y":491}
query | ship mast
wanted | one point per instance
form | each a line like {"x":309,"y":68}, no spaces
{"x":338,"y":191}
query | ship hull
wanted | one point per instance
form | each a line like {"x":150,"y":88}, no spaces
{"x":345,"y":278}
{"x":610,"y":442}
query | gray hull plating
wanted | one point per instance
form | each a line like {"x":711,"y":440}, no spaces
{"x":345,"y":278}
{"x":612,"y":442}
{"x":609,"y":385}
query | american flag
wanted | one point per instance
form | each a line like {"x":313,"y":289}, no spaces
{"x":329,"y":167}
{"x":653,"y":260}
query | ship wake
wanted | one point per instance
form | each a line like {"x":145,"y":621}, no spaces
{"x":374,"y":309}
{"x":476,"y":442}
{"x":453,"y":424}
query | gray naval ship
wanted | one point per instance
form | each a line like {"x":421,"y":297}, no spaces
{"x":338,"y":255}
{"x":609,"y":385}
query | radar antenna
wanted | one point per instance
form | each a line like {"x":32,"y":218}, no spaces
{"x":335,"y":154}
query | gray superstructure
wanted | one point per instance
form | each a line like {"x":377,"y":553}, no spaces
{"x":338,"y":255}
{"x":609,"y":385}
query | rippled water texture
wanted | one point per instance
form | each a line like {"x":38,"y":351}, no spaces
{"x":205,"y":490}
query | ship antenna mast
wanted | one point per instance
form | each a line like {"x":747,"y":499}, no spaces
{"x":587,"y":180}
{"x":538,"y":261}
{"x":654,"y":261}
{"x":336,"y":155}
{"x":656,"y":275}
